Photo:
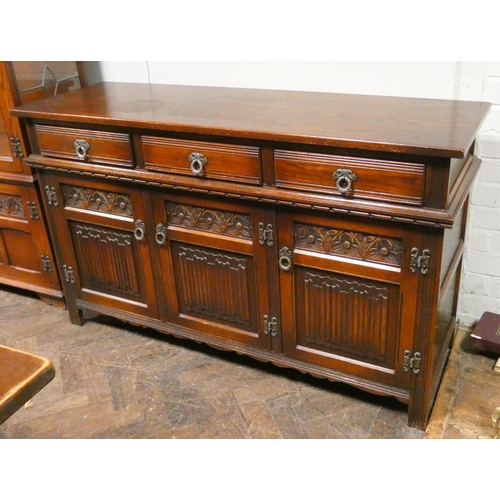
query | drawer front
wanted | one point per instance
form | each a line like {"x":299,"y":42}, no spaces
{"x":85,"y":145}
{"x":350,"y":177}
{"x":208,"y":160}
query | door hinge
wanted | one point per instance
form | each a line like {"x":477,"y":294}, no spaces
{"x":266,"y":235}
{"x":33,"y":209}
{"x":412,"y":363}
{"x":17,"y":150}
{"x":46,"y":264}
{"x":270,"y":326}
{"x":421,"y":262}
{"x":51,"y":196}
{"x":68,"y":274}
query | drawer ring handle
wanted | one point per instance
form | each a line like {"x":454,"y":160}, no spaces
{"x":161,"y":234}
{"x":285,"y":259}
{"x":140,"y":230}
{"x":344,"y":178}
{"x":81,"y":147}
{"x":198,"y":163}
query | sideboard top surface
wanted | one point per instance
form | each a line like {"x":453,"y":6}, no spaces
{"x":445,"y":128}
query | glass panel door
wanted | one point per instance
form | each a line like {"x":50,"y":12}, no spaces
{"x":5,"y":150}
{"x":39,"y":79}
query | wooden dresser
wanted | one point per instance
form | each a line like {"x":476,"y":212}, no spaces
{"x":317,"y":231}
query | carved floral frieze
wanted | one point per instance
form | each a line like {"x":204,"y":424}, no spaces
{"x":11,"y":205}
{"x":349,"y":244}
{"x":97,"y":200}
{"x":209,"y":220}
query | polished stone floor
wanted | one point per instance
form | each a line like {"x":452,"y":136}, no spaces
{"x":114,"y":380}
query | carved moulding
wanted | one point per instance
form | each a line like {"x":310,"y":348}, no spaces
{"x":209,"y":220}
{"x":97,"y":200}
{"x":332,"y":303}
{"x":223,"y":272}
{"x":11,"y":205}
{"x":349,"y":244}
{"x":107,"y":260}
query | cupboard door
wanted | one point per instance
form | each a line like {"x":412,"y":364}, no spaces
{"x":348,"y":295}
{"x":213,"y":267}
{"x":25,"y":255}
{"x":102,"y":243}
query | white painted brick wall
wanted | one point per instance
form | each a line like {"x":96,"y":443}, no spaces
{"x":480,"y":287}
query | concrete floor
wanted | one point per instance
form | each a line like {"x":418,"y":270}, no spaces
{"x":114,"y":380}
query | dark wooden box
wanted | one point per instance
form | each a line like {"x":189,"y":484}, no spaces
{"x":486,"y":334}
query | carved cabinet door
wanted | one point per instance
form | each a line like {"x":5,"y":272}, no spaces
{"x":348,"y":296}
{"x":25,"y":253}
{"x":102,"y":240}
{"x":214,"y":267}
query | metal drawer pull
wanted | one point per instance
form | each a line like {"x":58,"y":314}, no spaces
{"x":344,"y":179}
{"x":81,"y":147}
{"x":161,"y":234}
{"x":140,"y":230}
{"x":198,"y":162}
{"x":285,"y":259}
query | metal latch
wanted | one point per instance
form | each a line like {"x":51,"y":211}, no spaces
{"x":17,"y":150}
{"x":68,"y":274}
{"x":266,"y":235}
{"x":51,"y":196}
{"x":33,"y":210}
{"x":270,"y":326}
{"x":46,"y":264}
{"x":412,"y":363}
{"x":421,"y":262}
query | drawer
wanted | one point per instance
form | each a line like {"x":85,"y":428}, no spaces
{"x":208,"y":160}
{"x":92,"y":146}
{"x":350,"y":177}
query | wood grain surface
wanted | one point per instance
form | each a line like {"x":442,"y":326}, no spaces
{"x":396,"y":124}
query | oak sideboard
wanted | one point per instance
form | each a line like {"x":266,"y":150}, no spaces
{"x":316,"y":231}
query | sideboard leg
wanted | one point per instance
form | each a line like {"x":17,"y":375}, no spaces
{"x":76,"y":316}
{"x":417,"y":419}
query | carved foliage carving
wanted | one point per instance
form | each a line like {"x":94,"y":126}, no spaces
{"x":213,"y":285}
{"x":213,"y":221}
{"x":346,"y":315}
{"x":97,"y":200}
{"x":106,"y":260}
{"x":349,"y":244}
{"x":11,"y":205}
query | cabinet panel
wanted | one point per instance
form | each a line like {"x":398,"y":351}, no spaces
{"x":345,"y":314}
{"x":106,"y":260}
{"x":103,"y":243}
{"x":25,"y":253}
{"x":213,"y":267}
{"x":348,"y":296}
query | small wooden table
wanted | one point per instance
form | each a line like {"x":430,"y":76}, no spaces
{"x":22,"y":375}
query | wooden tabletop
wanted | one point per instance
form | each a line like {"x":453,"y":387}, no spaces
{"x":22,"y":375}
{"x":396,"y":124}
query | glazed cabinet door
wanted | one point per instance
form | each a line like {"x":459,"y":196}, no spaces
{"x":102,"y":244}
{"x":25,"y":254}
{"x":347,"y":294}
{"x":213,"y":267}
{"x":11,"y":145}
